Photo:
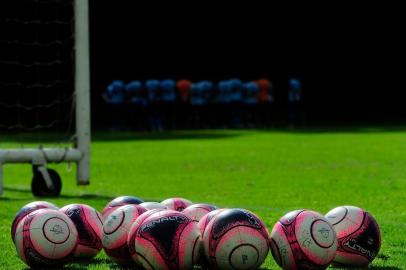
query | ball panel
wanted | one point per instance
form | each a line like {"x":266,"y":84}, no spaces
{"x":177,"y":204}
{"x":242,"y":248}
{"x":197,"y":211}
{"x":234,"y":228}
{"x":358,"y":234}
{"x":134,"y":230}
{"x":27,"y":209}
{"x":244,"y":257}
{"x":113,"y":222}
{"x":204,"y":221}
{"x":119,"y":201}
{"x":32,"y":245}
{"x":281,"y":249}
{"x":82,"y":251}
{"x":346,"y":258}
{"x":19,"y":244}
{"x":119,"y":254}
{"x":311,"y":229}
{"x":148,"y":256}
{"x":89,"y":226}
{"x":163,"y":230}
{"x":353,"y":217}
{"x":364,"y":242}
{"x":322,"y":233}
{"x":57,"y":237}
{"x":56,"y":230}
{"x":117,"y":228}
{"x":153,"y":205}
{"x":189,"y":246}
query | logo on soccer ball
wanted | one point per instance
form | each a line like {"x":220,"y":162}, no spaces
{"x":324,"y":232}
{"x":244,"y":258}
{"x":57,"y":229}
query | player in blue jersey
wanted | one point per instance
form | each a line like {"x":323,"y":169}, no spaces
{"x":295,"y":99}
{"x":137,"y":102}
{"x":115,"y":99}
{"x":154,"y":95}
{"x":250,"y":104}
{"x":168,"y":87}
{"x":223,"y":103}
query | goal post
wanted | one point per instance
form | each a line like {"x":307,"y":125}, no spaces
{"x":80,"y":152}
{"x":82,"y":88}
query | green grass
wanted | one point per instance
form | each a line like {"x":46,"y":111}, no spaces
{"x":268,"y":172}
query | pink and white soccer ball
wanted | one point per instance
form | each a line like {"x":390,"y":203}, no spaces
{"x":119,"y":201}
{"x":45,"y":237}
{"x":204,"y":221}
{"x":25,"y":210}
{"x":115,"y":232}
{"x":133,"y":231}
{"x":303,"y":239}
{"x":167,"y":240}
{"x":358,"y":234}
{"x":177,"y":204}
{"x":88,"y":223}
{"x":197,"y":211}
{"x":153,"y":205}
{"x":236,"y":239}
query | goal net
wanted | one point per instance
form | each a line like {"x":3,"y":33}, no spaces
{"x":44,"y":85}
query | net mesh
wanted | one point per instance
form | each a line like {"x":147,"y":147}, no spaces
{"x":37,"y":68}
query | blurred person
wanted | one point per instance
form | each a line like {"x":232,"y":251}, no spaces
{"x":250,"y":104}
{"x":223,"y":103}
{"x":183,"y":86}
{"x":154,"y":100}
{"x":295,"y":100}
{"x":207,"y":106}
{"x":197,"y":101}
{"x":168,"y":87}
{"x":137,"y":103}
{"x":114,"y":97}
{"x":235,"y":102}
{"x":265,"y":101}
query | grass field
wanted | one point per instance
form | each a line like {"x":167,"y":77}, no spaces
{"x":268,"y":172}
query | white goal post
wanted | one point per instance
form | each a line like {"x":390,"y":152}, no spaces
{"x":80,"y":153}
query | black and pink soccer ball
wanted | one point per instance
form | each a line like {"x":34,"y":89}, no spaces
{"x":89,"y":225}
{"x":119,"y":201}
{"x":358,"y":234}
{"x":27,"y":209}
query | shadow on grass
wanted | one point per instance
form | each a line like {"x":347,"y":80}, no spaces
{"x":90,"y":196}
{"x":54,"y":138}
{"x":337,"y":129}
{"x":99,"y":136}
{"x":62,"y":196}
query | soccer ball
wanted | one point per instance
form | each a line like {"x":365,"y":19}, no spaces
{"x":235,"y":239}
{"x":177,"y":204}
{"x":119,"y":201}
{"x":25,"y":210}
{"x":89,"y":225}
{"x":303,"y":239}
{"x":153,"y":205}
{"x":358,"y":234}
{"x":197,"y":211}
{"x":206,"y":219}
{"x":115,"y":232}
{"x":133,"y":231}
{"x":45,"y":237}
{"x":167,"y":240}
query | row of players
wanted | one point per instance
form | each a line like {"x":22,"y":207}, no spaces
{"x":167,"y":104}
{"x":198,"y":93}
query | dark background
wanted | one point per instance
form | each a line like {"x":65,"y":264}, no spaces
{"x":349,"y":57}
